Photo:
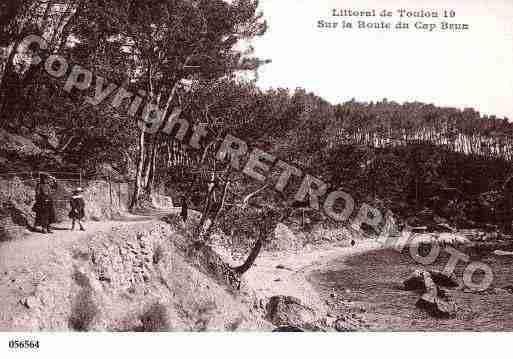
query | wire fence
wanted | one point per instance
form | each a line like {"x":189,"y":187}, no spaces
{"x":109,"y":188}
{"x":106,"y":196}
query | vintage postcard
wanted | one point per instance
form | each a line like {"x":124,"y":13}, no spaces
{"x":255,"y":166}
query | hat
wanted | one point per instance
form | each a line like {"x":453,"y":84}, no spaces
{"x":78,"y":190}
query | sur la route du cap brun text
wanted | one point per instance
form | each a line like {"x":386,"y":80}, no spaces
{"x":421,"y":25}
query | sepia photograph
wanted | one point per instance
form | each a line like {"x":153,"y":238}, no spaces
{"x":243,"y":167}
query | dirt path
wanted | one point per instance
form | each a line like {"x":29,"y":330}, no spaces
{"x":37,"y":247}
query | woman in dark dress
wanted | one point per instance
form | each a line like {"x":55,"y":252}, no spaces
{"x":184,"y":211}
{"x":44,"y":206}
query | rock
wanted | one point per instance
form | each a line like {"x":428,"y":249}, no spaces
{"x":500,"y":291}
{"x":289,"y":311}
{"x":287,"y":329}
{"x":443,"y":280}
{"x":30,"y":302}
{"x":437,"y":307}
{"x":503,"y":253}
{"x":442,"y":225}
{"x":434,"y":300}
{"x":282,"y":267}
{"x":509,"y":289}
{"x":330,"y":321}
{"x":431,"y":287}
{"x":346,"y":324}
{"x":415,"y":281}
{"x":10,"y":143}
{"x":262,"y":303}
{"x":421,"y":280}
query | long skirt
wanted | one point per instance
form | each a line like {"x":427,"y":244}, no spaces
{"x":45,"y":213}
{"x":184,"y":213}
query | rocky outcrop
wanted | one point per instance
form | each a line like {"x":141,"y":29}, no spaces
{"x":288,"y":329}
{"x":436,"y":305}
{"x":348,"y":324}
{"x":17,"y":145}
{"x":207,"y":259}
{"x":132,"y":277}
{"x":415,"y":281}
{"x":420,"y":279}
{"x":443,"y":280}
{"x":287,"y":311}
{"x":433,"y":299}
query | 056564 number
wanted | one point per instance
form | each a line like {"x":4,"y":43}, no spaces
{"x":24,"y":344}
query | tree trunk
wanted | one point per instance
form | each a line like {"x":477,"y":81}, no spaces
{"x":151,"y":180}
{"x":9,"y":84}
{"x":206,"y":208}
{"x":253,"y":255}
{"x":138,"y":186}
{"x":218,"y":210}
{"x":148,"y":163}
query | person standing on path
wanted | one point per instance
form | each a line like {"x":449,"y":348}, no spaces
{"x":77,"y":212}
{"x":44,"y":205}
{"x":185,"y":209}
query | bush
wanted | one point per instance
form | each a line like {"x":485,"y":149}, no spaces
{"x":84,"y":311}
{"x":158,"y":255}
{"x":154,"y":319}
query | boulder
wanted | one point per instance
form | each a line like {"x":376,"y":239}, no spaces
{"x":436,"y":306}
{"x":500,"y":291}
{"x":443,"y":280}
{"x":434,"y":300}
{"x":289,"y":311}
{"x":347,"y":324}
{"x":19,"y":145}
{"x":503,"y":253}
{"x":425,"y":280}
{"x":31,"y":302}
{"x":288,"y":329}
{"x":431,"y":287}
{"x":416,"y":281}
{"x":509,"y":289}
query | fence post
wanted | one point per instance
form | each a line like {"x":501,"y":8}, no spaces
{"x":110,"y":194}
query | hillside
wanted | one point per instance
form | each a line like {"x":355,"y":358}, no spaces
{"x":121,"y":276}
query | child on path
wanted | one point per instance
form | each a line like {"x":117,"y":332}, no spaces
{"x":77,"y":212}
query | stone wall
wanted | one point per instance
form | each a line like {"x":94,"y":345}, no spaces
{"x":104,"y":200}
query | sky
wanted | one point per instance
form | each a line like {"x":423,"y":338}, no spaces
{"x":472,"y":68}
